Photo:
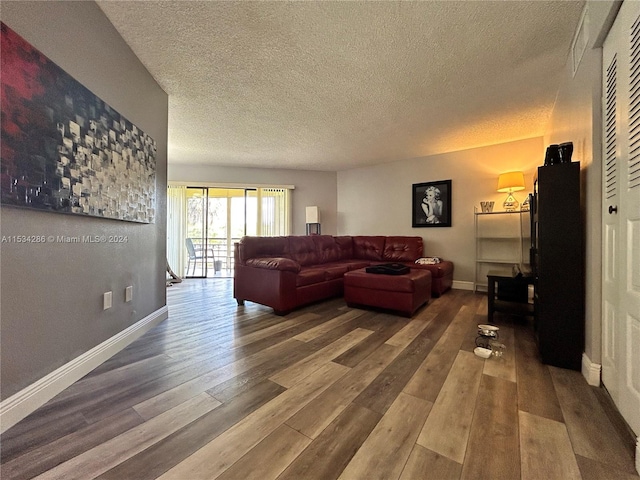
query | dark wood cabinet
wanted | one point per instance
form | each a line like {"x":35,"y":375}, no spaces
{"x":558,"y":264}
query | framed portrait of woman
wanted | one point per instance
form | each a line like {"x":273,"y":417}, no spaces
{"x":432,"y":204}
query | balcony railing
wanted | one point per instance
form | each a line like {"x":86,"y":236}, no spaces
{"x":218,"y":255}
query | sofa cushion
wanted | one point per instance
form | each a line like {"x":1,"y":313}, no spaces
{"x":309,"y":276}
{"x":345,"y":247}
{"x":326,"y":248}
{"x":368,"y":248}
{"x":335,"y":270}
{"x":356,"y":264}
{"x":303,"y":250}
{"x":402,"y":249}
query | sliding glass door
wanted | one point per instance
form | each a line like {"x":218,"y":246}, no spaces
{"x":230,"y":219}
{"x":218,"y":217}
{"x":199,"y":253}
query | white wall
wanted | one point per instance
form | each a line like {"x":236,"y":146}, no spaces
{"x":377,"y":200}
{"x":311,"y":188}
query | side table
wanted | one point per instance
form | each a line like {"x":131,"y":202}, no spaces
{"x":511,"y":295}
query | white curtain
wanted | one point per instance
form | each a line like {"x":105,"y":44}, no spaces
{"x":176,"y":227}
{"x":274,"y":212}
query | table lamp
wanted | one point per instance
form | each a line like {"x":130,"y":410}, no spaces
{"x":510,"y":182}
{"x":313,"y":220}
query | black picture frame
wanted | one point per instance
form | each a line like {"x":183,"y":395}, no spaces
{"x":434,"y":213}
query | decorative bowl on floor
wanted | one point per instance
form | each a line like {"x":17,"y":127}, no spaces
{"x":488,"y":330}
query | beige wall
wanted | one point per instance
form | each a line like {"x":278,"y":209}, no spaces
{"x":51,"y":306}
{"x":577,"y":117}
{"x":311,"y":188}
{"x":377,"y":200}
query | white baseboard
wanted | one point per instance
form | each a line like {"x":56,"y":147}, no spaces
{"x":591,"y":371}
{"x":460,"y":285}
{"x":29,"y":399}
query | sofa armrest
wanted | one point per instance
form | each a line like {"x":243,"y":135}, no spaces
{"x":274,"y":263}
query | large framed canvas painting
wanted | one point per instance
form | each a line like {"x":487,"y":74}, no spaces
{"x":431,"y":204}
{"x":63,"y":148}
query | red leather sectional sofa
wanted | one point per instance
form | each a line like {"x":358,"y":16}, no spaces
{"x":287,"y":272}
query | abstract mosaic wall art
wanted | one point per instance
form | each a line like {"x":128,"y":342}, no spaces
{"x":65,"y":150}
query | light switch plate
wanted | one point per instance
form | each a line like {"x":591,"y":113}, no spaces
{"x":128,"y":293}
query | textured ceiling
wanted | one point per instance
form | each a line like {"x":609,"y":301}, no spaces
{"x":336,"y":85}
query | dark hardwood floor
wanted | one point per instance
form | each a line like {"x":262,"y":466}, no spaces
{"x":326,"y":392}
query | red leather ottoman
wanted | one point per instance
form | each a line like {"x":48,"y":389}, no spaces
{"x":402,"y":293}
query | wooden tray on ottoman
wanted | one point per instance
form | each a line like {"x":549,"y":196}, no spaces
{"x":402,"y":293}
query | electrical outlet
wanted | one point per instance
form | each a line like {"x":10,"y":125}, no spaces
{"x":128,"y":293}
{"x":107,"y":300}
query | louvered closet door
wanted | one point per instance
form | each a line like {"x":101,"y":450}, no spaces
{"x":621,"y":215}
{"x":611,"y":155}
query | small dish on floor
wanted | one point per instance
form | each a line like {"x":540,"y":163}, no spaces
{"x":488,"y":330}
{"x":482,"y":352}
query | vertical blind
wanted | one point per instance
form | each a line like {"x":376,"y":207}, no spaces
{"x":176,"y":227}
{"x":274,"y":215}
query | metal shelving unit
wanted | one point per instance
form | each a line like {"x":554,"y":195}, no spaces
{"x":502,"y":240}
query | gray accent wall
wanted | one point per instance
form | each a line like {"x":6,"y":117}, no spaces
{"x":51,"y":294}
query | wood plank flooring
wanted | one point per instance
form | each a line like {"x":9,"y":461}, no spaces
{"x":326,"y":392}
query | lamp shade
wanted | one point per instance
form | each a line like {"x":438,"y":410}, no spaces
{"x":511,"y":182}
{"x":313,"y":215}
